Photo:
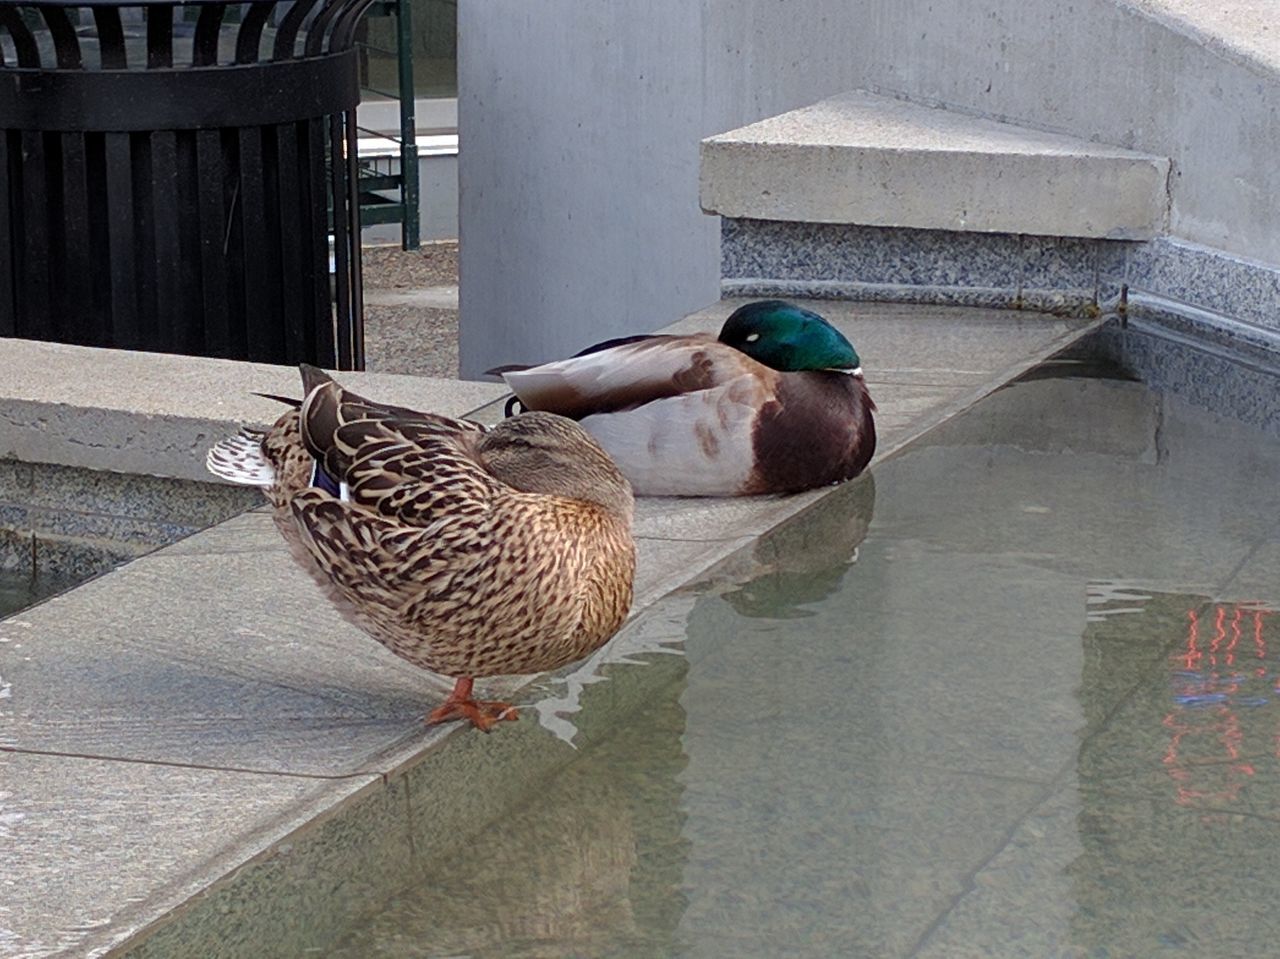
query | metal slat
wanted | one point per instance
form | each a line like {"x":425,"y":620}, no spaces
{"x":410,"y":188}
{"x":204,"y":49}
{"x":290,"y":175}
{"x":8,"y":299}
{"x":126,"y":323}
{"x":55,"y":214}
{"x":341,"y":242}
{"x":32,"y":254}
{"x":110,"y":38}
{"x":318,"y":29}
{"x":78,"y":319}
{"x":66,"y":44}
{"x":286,"y":39}
{"x":322,"y":341}
{"x":263,"y":338}
{"x":233,"y":249}
{"x":24,"y":44}
{"x":97,"y":320}
{"x":159,"y":36}
{"x":250,"y":36}
{"x":352,"y":199}
{"x":212,"y":241}
{"x":188,"y":323}
{"x":165,"y":306}
{"x":144,"y":242}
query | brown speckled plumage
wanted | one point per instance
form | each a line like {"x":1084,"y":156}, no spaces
{"x":465,"y":551}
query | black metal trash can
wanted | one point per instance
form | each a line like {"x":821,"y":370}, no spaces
{"x":170,"y":175}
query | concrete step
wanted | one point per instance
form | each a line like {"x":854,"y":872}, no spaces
{"x":871,"y":160}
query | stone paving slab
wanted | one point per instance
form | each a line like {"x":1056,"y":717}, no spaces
{"x":91,"y":845}
{"x":215,"y":658}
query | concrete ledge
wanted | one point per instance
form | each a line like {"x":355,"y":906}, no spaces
{"x":158,"y":413}
{"x":866,"y":159}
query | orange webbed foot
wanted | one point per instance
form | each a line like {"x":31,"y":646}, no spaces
{"x":483,"y":714}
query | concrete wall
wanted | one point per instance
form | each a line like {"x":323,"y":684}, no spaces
{"x":579,"y":126}
{"x":578,"y":172}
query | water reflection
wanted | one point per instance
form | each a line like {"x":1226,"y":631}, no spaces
{"x":594,"y":865}
{"x":1178,"y":785}
{"x":1205,"y":705}
{"x":590,"y":865}
{"x":783,"y":575}
{"x":1033,"y":712}
{"x":20,"y":590}
{"x":1221,"y":681}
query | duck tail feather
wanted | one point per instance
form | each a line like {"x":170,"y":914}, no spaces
{"x":507,"y":368}
{"x":239,"y":459}
{"x":275,"y":398}
{"x":312,"y":377}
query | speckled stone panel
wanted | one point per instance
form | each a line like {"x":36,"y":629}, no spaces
{"x":71,"y":523}
{"x":1056,"y":274}
{"x":1151,"y":346}
{"x":153,"y":499}
{"x":1207,"y":279}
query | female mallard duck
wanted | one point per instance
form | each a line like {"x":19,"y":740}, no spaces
{"x":775,"y":404}
{"x":469,"y":552}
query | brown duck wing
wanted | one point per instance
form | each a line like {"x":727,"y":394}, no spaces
{"x":328,"y":406}
{"x":375,"y":558}
{"x":628,"y":375}
{"x":397,"y":462}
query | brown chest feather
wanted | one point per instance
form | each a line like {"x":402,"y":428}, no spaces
{"x":818,"y":430}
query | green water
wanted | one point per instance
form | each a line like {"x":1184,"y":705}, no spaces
{"x":1015,"y":696}
{"x":20,"y":590}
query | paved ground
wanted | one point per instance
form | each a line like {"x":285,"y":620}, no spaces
{"x":411,"y":309}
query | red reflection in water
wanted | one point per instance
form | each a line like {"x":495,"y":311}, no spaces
{"x":1207,"y":739}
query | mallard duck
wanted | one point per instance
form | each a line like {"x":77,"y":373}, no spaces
{"x":466,"y":551}
{"x":775,"y":404}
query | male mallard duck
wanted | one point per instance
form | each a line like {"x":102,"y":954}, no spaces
{"x":775,"y":404}
{"x":466,"y":551}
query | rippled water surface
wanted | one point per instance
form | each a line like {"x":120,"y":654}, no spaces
{"x":1017,"y":694}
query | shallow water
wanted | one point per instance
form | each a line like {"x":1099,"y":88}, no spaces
{"x":1018,"y":694}
{"x":20,"y":590}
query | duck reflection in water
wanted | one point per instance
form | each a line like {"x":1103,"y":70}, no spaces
{"x":587,"y":863}
{"x":803,"y":561}
{"x":591,"y":862}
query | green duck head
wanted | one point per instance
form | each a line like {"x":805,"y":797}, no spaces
{"x":788,"y":338}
